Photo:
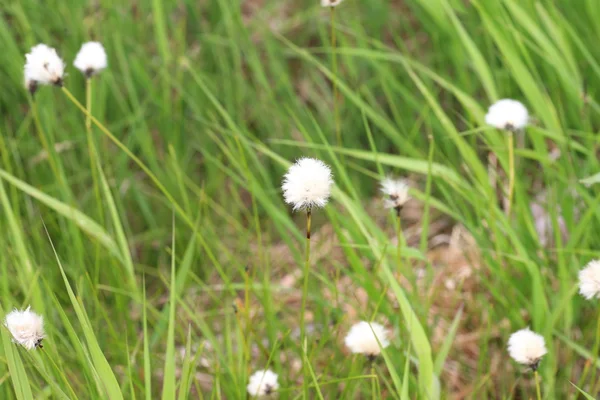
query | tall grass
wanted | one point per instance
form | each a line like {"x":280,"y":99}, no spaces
{"x":195,"y":121}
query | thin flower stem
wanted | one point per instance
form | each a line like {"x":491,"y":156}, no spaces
{"x":304,"y":298}
{"x":592,"y":363}
{"x":93,"y":157}
{"x":595,"y":352}
{"x":88,"y":105}
{"x":511,"y":171}
{"x":374,"y":382}
{"x":399,"y":234}
{"x":336,"y":117}
{"x":246,"y":334}
{"x":537,"y":385}
{"x":42,"y":136}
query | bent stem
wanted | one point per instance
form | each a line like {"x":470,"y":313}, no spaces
{"x":304,"y":298}
{"x":537,"y":385}
{"x":408,"y":274}
{"x":336,"y":117}
{"x":511,"y":171}
{"x":132,"y":156}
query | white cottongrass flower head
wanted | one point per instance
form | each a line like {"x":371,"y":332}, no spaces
{"x":589,"y":280}
{"x":262,"y":383}
{"x":507,"y":114}
{"x":43,"y":66}
{"x":527,"y":347}
{"x":307,"y":184}
{"x":395,"y":192}
{"x":91,"y":59}
{"x":26,"y":328}
{"x":330,"y":3}
{"x":363,"y":338}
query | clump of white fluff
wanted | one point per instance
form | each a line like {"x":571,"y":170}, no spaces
{"x":43,"y":66}
{"x":262,"y":383}
{"x":363,"y":336}
{"x":589,"y":280}
{"x":307,"y":184}
{"x":527,"y":347}
{"x":91,"y":58}
{"x":330,"y":3}
{"x":507,"y":114}
{"x":26,"y":328}
{"x":396,"y":192}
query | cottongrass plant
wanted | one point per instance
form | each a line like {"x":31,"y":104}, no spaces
{"x":589,"y":288}
{"x":511,"y":116}
{"x":26,"y":328}
{"x":368,"y":339}
{"x":527,"y":347}
{"x":307,"y":185}
{"x":91,"y":60}
{"x":43,"y":66}
{"x":332,"y":4}
{"x":396,"y":195}
{"x":262,"y":383}
{"x":589,"y":280}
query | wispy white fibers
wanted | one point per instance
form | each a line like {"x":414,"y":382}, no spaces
{"x":307,"y":184}
{"x":26,"y":328}
{"x":262,"y":383}
{"x":91,"y":58}
{"x":363,"y":336}
{"x":507,"y":114}
{"x":43,"y":66}
{"x":330,"y":3}
{"x":589,"y":280}
{"x":395,"y":192}
{"x":527,"y":347}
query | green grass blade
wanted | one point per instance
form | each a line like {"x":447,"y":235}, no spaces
{"x":18,"y":375}
{"x":168,"y":392}
{"x":80,"y":219}
{"x":110,"y":385}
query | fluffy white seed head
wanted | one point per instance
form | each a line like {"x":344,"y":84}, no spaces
{"x":507,"y":114}
{"x":262,"y":383}
{"x":330,"y":3}
{"x":307,"y":184}
{"x":91,"y":59}
{"x":362,"y":338}
{"x":26,"y":328}
{"x":43,"y":66}
{"x":527,"y":347}
{"x":395,"y":192}
{"x":589,"y":280}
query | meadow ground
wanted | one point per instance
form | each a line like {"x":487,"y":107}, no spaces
{"x":156,"y":244}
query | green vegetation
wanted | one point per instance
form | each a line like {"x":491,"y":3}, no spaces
{"x":165,"y":262}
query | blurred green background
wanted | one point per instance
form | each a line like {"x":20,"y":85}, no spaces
{"x":216,"y":98}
